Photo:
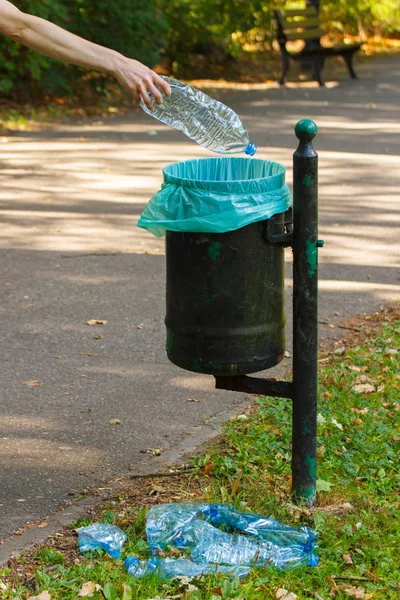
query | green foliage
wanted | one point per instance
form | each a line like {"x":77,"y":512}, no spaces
{"x":20,"y":66}
{"x":215,"y":31}
{"x":130,"y":27}
{"x":196,"y":37}
{"x":369,"y":16}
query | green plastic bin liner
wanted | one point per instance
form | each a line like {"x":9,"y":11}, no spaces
{"x":216,"y":195}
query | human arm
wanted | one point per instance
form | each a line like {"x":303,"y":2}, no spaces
{"x":55,"y":42}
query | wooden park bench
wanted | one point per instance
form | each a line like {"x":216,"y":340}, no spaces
{"x":304,"y":24}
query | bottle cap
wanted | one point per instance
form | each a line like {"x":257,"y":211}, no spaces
{"x":250,"y":149}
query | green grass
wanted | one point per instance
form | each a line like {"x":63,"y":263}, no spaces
{"x":249,"y":466}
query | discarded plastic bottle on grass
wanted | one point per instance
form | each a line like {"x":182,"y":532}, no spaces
{"x":168,"y":568}
{"x":100,"y":535}
{"x":202,"y":118}
{"x":210,"y":545}
{"x":194,"y":527}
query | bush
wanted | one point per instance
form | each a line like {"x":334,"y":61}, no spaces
{"x":216,"y":30}
{"x":131,"y":27}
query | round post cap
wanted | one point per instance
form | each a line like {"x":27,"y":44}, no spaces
{"x":306,"y":130}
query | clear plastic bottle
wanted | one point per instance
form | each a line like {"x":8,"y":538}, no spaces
{"x":195,"y":527}
{"x":210,"y":545}
{"x":202,"y":118}
{"x":168,"y":568}
{"x":100,"y":535}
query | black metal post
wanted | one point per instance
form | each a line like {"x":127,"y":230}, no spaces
{"x":305,"y":319}
{"x":303,"y":388}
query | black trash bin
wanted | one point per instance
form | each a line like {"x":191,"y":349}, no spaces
{"x":225,"y":276}
{"x":225,"y":301}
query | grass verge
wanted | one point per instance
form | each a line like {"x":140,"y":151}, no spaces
{"x":249,"y":467}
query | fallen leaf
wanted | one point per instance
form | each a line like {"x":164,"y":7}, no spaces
{"x":340,"y":351}
{"x":114,"y":422}
{"x":96,"y":322}
{"x":326,"y":395}
{"x":127,"y":595}
{"x":323,"y":486}
{"x":335,"y":509}
{"x":347,"y":559}
{"x":32,"y":383}
{"x":361,"y":411}
{"x":156,"y":489}
{"x":208,"y":468}
{"x":364,"y":379}
{"x":88,"y":589}
{"x":354,"y":368}
{"x":278,"y":455}
{"x":276,"y":430}
{"x":154,"y":451}
{"x":42,"y":525}
{"x":357,"y":422}
{"x":42,"y":596}
{"x":282,"y":594}
{"x":193,"y":400}
{"x":338,"y":425}
{"x":363,"y":388}
{"x":355,"y":592}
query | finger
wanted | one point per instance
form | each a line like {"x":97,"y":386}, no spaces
{"x":161,"y":83}
{"x":145,"y":96}
{"x":155,"y":91}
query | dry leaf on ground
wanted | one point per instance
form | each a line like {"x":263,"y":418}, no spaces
{"x":363,"y":379}
{"x":356,"y":592}
{"x":88,"y":589}
{"x":42,"y":596}
{"x":282,"y":594}
{"x":96,"y":322}
{"x":363,"y":388}
{"x":32,"y":383}
{"x":347,"y":559}
{"x":114,"y":422}
{"x":335,"y":509}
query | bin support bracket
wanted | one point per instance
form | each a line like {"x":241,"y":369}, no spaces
{"x":255,"y":385}
{"x":303,"y":389}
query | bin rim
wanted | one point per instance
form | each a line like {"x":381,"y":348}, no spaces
{"x":274,"y":181}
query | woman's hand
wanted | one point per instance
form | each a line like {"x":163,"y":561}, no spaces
{"x":139,"y":80}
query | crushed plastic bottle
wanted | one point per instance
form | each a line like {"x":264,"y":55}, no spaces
{"x":202,"y":118}
{"x":262,"y":541}
{"x":100,"y":535}
{"x":168,"y":568}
